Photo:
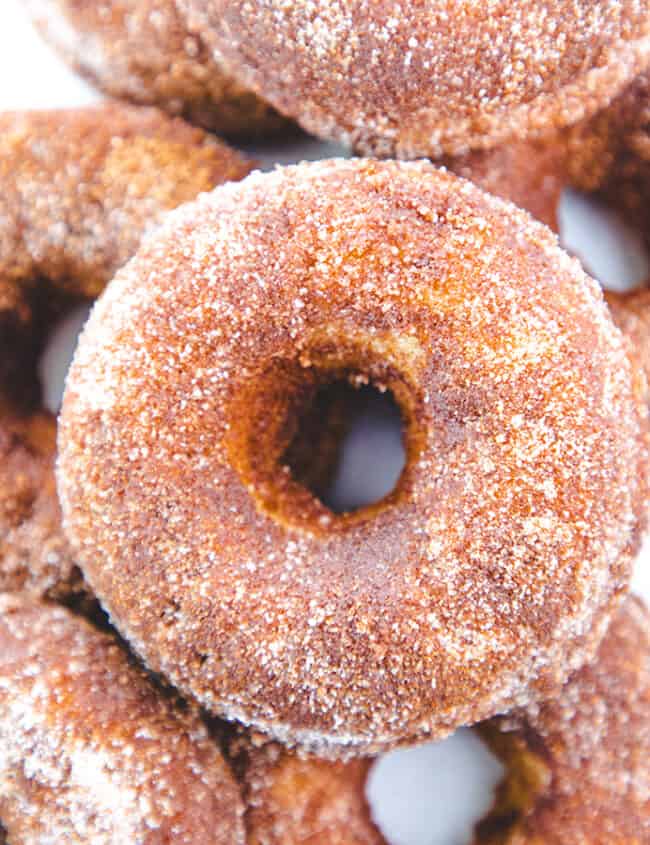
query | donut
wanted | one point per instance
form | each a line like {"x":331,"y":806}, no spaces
{"x":78,"y":189}
{"x":144,"y":52}
{"x":428,"y":79}
{"x":631,"y":313}
{"x":92,"y":751}
{"x":579,"y":765}
{"x":610,"y":154}
{"x":291,"y":800}
{"x":491,"y":571}
{"x":531,"y":174}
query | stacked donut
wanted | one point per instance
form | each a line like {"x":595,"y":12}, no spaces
{"x":194,"y":646}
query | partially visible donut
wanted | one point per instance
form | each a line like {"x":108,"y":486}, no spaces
{"x":631,"y":313}
{"x":491,"y":571}
{"x":34,"y":554}
{"x":610,"y":154}
{"x":292,"y":800}
{"x":78,"y":189}
{"x":531,"y":174}
{"x":81,"y":187}
{"x":91,"y":751}
{"x":143,"y":52}
{"x":579,"y":765}
{"x":429,"y":78}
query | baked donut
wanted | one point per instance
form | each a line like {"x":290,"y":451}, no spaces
{"x":144,"y":52}
{"x":579,"y":765}
{"x":610,"y":154}
{"x":631,"y":313}
{"x":427,"y":78}
{"x":92,"y":751}
{"x":292,"y":800}
{"x":77,"y":191}
{"x":529,"y":173}
{"x":482,"y":581}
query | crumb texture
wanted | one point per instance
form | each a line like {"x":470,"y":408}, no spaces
{"x":489,"y":574}
{"x":416,"y":79}
{"x":91,"y":751}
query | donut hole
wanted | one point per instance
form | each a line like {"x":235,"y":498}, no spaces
{"x":413,"y":793}
{"x":526,"y":778}
{"x":24,"y":333}
{"x":37,"y":339}
{"x":293,"y":430}
{"x":57,"y":353}
{"x":349,"y":448}
{"x":611,"y":249}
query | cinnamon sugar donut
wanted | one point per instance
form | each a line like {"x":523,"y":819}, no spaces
{"x":610,"y":154}
{"x":532,"y":174}
{"x":78,"y":189}
{"x":429,"y":78}
{"x":144,"y":52}
{"x":91,"y":751}
{"x":631,"y":313}
{"x":482,"y":581}
{"x":291,"y":800}
{"x":579,"y":765}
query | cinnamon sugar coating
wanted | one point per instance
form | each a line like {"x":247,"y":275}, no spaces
{"x":580,"y":764}
{"x":429,"y":78}
{"x":78,"y":189}
{"x":610,"y":154}
{"x":92,"y":751}
{"x":144,"y":52}
{"x":532,"y":174}
{"x":481,"y":582}
{"x":34,"y":554}
{"x":631,"y":313}
{"x":291,"y":799}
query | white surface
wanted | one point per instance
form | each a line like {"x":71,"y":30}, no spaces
{"x":55,"y":362}
{"x":429,"y":795}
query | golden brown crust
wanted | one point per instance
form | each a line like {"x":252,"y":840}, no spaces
{"x":431,"y":609}
{"x":91,"y":751}
{"x":77,"y":191}
{"x":291,"y":799}
{"x":143,"y":52}
{"x":425,"y":78}
{"x":580,"y":764}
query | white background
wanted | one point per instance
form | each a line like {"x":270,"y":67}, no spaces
{"x":429,"y":795}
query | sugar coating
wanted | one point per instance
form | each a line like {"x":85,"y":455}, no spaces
{"x":631,"y":313}
{"x":292,"y":799}
{"x":593,"y":742}
{"x":491,"y":573}
{"x":610,"y":153}
{"x":78,"y":189}
{"x":34,"y":553}
{"x":411,"y":79}
{"x":532,"y":174}
{"x":143,"y":52}
{"x":91,"y":751}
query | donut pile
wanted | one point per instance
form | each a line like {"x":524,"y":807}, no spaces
{"x":194,"y":646}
